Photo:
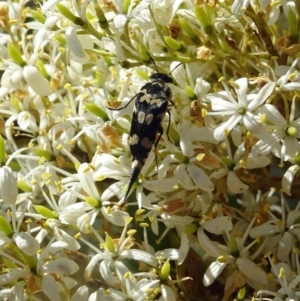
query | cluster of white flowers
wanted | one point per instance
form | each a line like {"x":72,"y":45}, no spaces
{"x":217,"y":218}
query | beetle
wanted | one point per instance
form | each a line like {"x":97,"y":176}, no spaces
{"x":151,"y":106}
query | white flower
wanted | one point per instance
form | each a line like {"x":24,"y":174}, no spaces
{"x":288,"y":281}
{"x":235,"y":254}
{"x":112,"y":255}
{"x":189,"y":173}
{"x":288,"y":80}
{"x":280,"y":234}
{"x":240,"y":110}
{"x":285,"y":134}
{"x":234,"y":164}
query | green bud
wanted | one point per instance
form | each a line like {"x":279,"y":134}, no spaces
{"x":61,"y":39}
{"x":91,"y":107}
{"x":224,"y":44}
{"x":30,"y":260}
{"x":109,"y":243}
{"x":2,"y":150}
{"x":41,"y":67}
{"x":15,"y":103}
{"x":228,"y":163}
{"x":77,"y":165}
{"x":108,"y":61}
{"x":181,"y":157}
{"x":190,"y":92}
{"x":117,"y":152}
{"x":93,"y":202}
{"x":126,"y":5}
{"x":15,"y":54}
{"x":241,"y":294}
{"x":23,"y":186}
{"x":42,"y":210}
{"x":233,"y":247}
{"x":5,"y":227}
{"x":291,"y":131}
{"x":187,"y":28}
{"x":69,"y":15}
{"x":38,"y":16}
{"x":99,"y":78}
{"x":165,"y":271}
{"x":297,"y":158}
{"x":293,"y":23}
{"x":41,"y":153}
{"x":143,"y":50}
{"x":204,"y":19}
{"x":172,"y":43}
{"x":191,"y":228}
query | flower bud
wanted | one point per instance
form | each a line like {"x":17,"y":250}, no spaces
{"x":143,"y":50}
{"x":5,"y":227}
{"x":38,"y":16}
{"x":93,"y":202}
{"x":69,"y":15}
{"x":44,"y":211}
{"x":2,"y":150}
{"x":109,"y":243}
{"x":165,"y":271}
{"x":173,"y":43}
{"x":94,"y":109}
{"x":204,"y":19}
{"x":16,"y":55}
{"x":187,"y":28}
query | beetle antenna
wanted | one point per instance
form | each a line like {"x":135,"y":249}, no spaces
{"x":176,"y":67}
{"x":152,"y":60}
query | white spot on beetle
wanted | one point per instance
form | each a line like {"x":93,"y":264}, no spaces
{"x":141,"y":117}
{"x":134,"y":139}
{"x":149,"y":118}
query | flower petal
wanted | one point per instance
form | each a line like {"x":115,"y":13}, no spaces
{"x":139,"y":255}
{"x":36,"y":81}
{"x":218,"y":225}
{"x":200,"y":178}
{"x":262,"y":95}
{"x":26,"y":243}
{"x":254,"y":273}
{"x":223,"y":130}
{"x":234,"y":184}
{"x":212,"y":272}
